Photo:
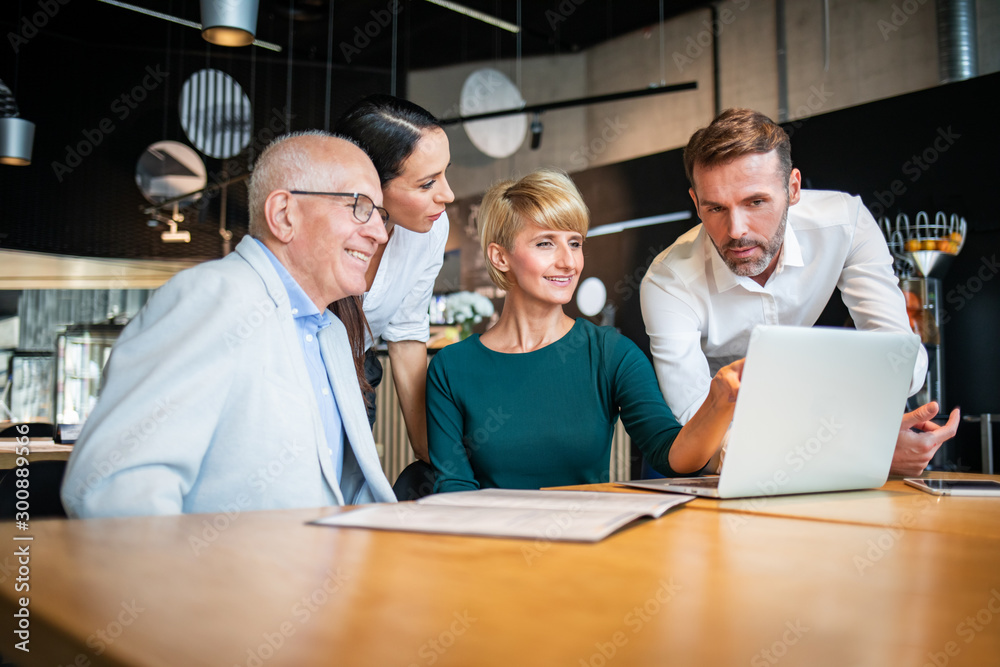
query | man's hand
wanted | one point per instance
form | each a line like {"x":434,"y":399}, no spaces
{"x":919,"y":438}
{"x":726,"y":385}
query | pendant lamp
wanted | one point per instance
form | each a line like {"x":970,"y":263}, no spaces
{"x":229,"y":22}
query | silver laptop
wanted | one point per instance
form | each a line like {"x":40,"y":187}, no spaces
{"x":818,"y":410}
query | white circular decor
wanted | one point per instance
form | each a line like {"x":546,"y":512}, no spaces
{"x":215,"y":113}
{"x":489,"y":90}
{"x":591,"y":296}
{"x":169,"y":169}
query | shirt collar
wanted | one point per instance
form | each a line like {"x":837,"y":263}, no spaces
{"x":789,"y":255}
{"x":300,"y":303}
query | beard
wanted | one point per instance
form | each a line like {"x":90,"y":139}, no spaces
{"x":749,"y":268}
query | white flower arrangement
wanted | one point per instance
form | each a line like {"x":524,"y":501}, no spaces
{"x":467,"y":307}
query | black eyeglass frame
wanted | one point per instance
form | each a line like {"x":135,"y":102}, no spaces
{"x":384,"y":214}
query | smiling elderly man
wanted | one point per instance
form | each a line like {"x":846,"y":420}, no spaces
{"x":768,"y":252}
{"x":236,"y":388}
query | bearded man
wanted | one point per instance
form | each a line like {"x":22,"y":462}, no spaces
{"x":768,"y":252}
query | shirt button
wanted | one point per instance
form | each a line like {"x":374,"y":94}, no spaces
{"x":295,"y":311}
{"x":330,"y":451}
{"x":326,"y":392}
{"x":309,"y":338}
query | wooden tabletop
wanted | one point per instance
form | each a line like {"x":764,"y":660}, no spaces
{"x":264,"y":588}
{"x":46,"y":451}
{"x":895,"y":505}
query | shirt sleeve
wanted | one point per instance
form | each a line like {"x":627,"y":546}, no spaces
{"x":646,"y":417}
{"x":445,"y":422}
{"x":674,"y":330}
{"x":167,"y":380}
{"x":411,"y":321}
{"x":870,"y":289}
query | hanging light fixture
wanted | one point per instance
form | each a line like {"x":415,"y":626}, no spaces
{"x":229,"y":22}
{"x":16,"y":134}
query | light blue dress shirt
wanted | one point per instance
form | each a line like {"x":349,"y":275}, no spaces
{"x":308,"y":323}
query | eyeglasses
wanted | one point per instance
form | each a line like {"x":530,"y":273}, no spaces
{"x":363,"y":204}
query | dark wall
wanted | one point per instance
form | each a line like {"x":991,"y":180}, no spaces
{"x":79,"y":195}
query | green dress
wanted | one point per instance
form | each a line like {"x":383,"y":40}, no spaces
{"x":542,"y":418}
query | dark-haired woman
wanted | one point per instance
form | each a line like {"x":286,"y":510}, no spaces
{"x":411,"y":153}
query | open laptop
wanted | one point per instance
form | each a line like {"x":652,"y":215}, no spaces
{"x":818,"y":410}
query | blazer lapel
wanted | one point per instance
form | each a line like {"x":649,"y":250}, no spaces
{"x":337,"y":356}
{"x":254,"y":256}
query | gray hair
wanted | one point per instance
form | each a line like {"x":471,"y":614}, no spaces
{"x":284,"y":164}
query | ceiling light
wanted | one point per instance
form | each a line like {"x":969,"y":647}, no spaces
{"x":16,"y":134}
{"x":472,"y":13}
{"x":229,"y":22}
{"x":179,"y":21}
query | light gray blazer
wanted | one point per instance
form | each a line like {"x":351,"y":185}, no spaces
{"x":207,"y":406}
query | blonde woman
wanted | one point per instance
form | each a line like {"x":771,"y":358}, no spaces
{"x":533,"y":401}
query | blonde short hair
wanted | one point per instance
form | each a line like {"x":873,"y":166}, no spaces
{"x":545,"y":197}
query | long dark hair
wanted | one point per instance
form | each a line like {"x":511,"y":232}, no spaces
{"x":349,"y":311}
{"x":387,"y":128}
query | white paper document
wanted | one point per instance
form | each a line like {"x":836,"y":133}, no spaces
{"x":571,"y":516}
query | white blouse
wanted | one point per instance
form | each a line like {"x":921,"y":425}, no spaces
{"x":397,"y":303}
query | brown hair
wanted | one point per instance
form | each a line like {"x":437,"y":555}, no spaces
{"x":349,"y":311}
{"x":735,"y":133}
{"x":545,"y":197}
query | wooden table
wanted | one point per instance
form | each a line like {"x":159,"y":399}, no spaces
{"x":263,"y":588}
{"x":39,"y":452}
{"x":896,"y":505}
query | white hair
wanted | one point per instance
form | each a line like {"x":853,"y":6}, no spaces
{"x":284,"y":164}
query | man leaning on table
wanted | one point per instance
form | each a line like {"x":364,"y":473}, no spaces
{"x":768,"y":252}
{"x":235,"y":388}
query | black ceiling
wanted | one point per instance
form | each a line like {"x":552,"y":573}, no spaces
{"x":427,"y":35}
{"x":70,"y":62}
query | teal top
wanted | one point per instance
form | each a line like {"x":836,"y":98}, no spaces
{"x":542,"y":418}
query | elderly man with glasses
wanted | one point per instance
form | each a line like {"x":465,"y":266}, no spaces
{"x":237,"y":386}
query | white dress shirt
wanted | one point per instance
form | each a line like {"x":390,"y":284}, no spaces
{"x":699,"y":314}
{"x":397,"y":303}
